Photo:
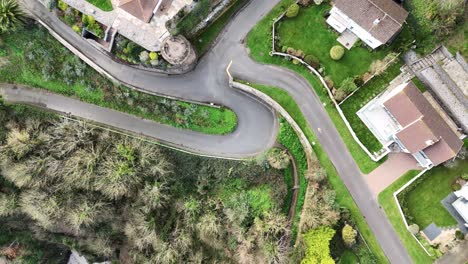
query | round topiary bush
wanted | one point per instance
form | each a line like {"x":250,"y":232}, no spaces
{"x":293,"y":10}
{"x":337,"y":52}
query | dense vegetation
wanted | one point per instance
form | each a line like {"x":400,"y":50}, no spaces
{"x":41,"y":61}
{"x":113,"y":197}
{"x":316,"y":202}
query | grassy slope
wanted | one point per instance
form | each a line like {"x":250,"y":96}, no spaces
{"x":343,"y":197}
{"x":302,"y":33}
{"x":423,"y":202}
{"x":203,"y":119}
{"x":388,"y":203}
{"x":204,"y":40}
{"x":104,"y":5}
{"x":259,"y":44}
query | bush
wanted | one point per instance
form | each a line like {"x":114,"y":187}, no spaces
{"x":144,"y":56}
{"x":337,"y":52}
{"x":413,"y":229}
{"x":305,"y":2}
{"x":465,"y":176}
{"x":349,"y":235}
{"x":62,"y":5}
{"x":318,"y":245}
{"x":296,"y":62}
{"x":312,"y":61}
{"x":278,"y":159}
{"x":348,"y":85}
{"x":358,"y":81}
{"x":459,"y":235}
{"x":340,"y":95}
{"x":456,"y":186}
{"x":76,"y":28}
{"x":153,"y":55}
{"x":293,"y":10}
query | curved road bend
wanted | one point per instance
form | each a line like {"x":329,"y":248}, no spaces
{"x":257,"y":127}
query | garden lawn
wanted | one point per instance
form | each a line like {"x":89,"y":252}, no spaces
{"x":343,"y":197}
{"x":310,"y":33}
{"x":389,"y":205}
{"x":259,"y":44}
{"x":366,"y":93}
{"x":56,"y":69}
{"x":423,"y":200}
{"x":104,"y":5}
{"x":203,"y":41}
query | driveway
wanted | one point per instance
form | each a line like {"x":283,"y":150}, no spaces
{"x":396,"y":165}
{"x":257,"y":123}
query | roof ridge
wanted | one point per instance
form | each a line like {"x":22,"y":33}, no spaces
{"x":372,"y":2}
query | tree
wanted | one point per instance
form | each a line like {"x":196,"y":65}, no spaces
{"x":11,"y":15}
{"x":337,"y":52}
{"x":340,"y":95}
{"x":318,"y":246}
{"x":348,"y":85}
{"x":293,"y":10}
{"x":278,"y":159}
{"x":349,"y":235}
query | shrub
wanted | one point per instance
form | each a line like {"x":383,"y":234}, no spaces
{"x":456,"y":186}
{"x":153,"y":55}
{"x":312,"y":61}
{"x":464,"y":176}
{"x":358,"y":81}
{"x":349,"y":235}
{"x":278,"y":159}
{"x":459,"y":235}
{"x":340,"y":95}
{"x":76,"y":28}
{"x":290,"y":51}
{"x":318,"y":2}
{"x":293,"y":10}
{"x":295,"y":62}
{"x":144,"y":56}
{"x":318,"y":245}
{"x":337,"y":52}
{"x":305,"y":2}
{"x":348,"y":85}
{"x":329,"y":81}
{"x":62,"y":5}
{"x":413,"y":229}
{"x":300,"y":54}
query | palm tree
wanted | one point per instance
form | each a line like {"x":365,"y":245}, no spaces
{"x":11,"y":15}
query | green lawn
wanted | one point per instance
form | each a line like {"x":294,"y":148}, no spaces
{"x":421,"y":86}
{"x":310,"y":33}
{"x":363,"y":96}
{"x":422,"y":200}
{"x":204,"y":40}
{"x":104,"y":5}
{"x":389,"y":205}
{"x":343,"y":197}
{"x":348,"y":257}
{"x":259,"y":44}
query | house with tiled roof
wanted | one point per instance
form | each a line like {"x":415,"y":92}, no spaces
{"x":404,"y":118}
{"x":141,"y":9}
{"x":375,"y":22}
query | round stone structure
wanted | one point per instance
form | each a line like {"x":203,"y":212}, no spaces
{"x":178,"y":51}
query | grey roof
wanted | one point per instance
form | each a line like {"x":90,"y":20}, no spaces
{"x":365,"y":13}
{"x":432,"y":231}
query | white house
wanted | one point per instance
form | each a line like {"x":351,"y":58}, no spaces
{"x":375,"y":22}
{"x":461,"y":204}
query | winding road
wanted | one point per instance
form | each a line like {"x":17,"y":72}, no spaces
{"x":257,"y":123}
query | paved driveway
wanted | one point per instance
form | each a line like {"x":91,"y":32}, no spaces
{"x":391,"y":170}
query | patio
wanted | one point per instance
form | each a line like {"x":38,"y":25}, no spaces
{"x":347,"y":39}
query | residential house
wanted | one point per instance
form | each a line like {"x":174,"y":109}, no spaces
{"x":375,"y":22}
{"x":404,"y":118}
{"x":141,"y":9}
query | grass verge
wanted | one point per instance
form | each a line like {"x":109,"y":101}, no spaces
{"x":389,"y":205}
{"x":41,"y":61}
{"x":343,"y":197}
{"x":203,"y":41}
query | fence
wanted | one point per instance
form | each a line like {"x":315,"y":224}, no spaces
{"x":375,"y":157}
